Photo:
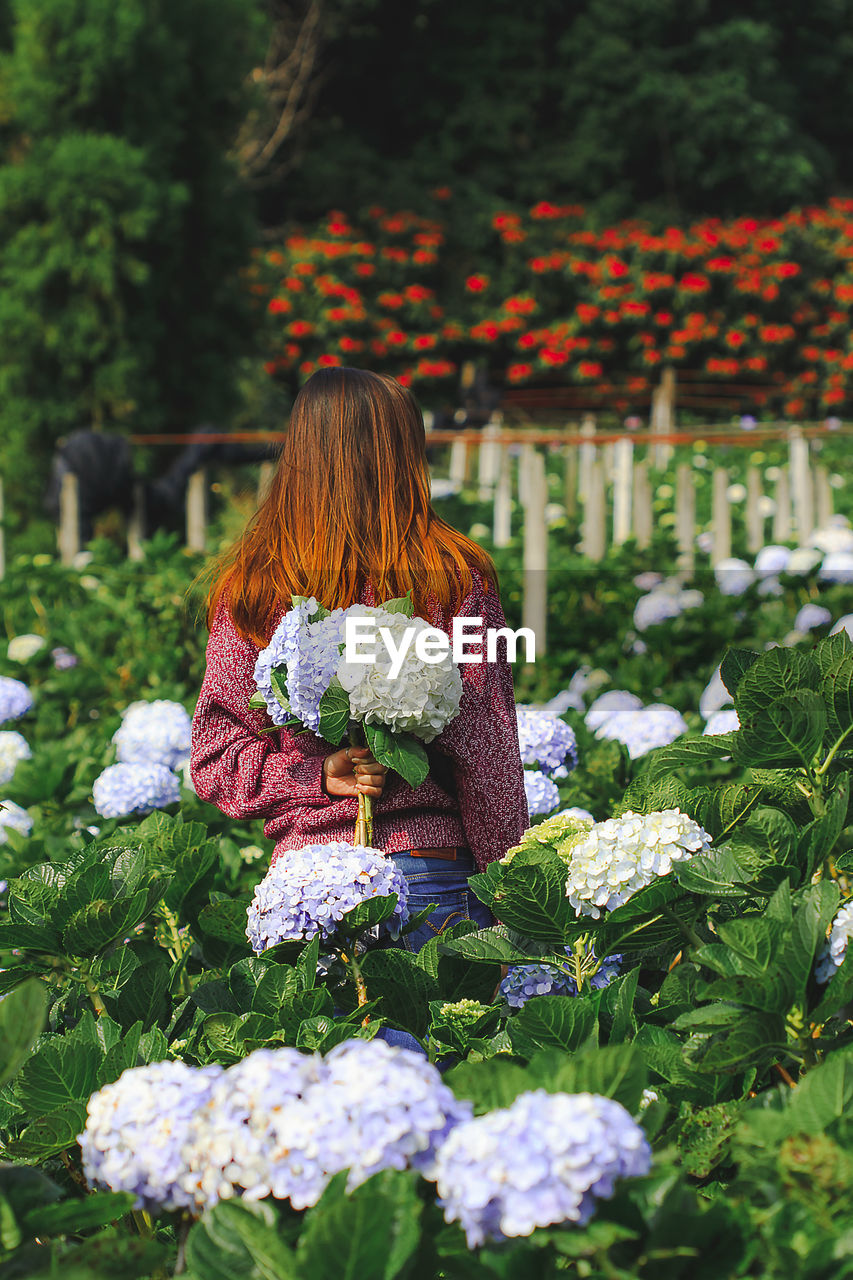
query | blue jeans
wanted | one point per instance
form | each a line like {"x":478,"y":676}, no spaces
{"x":445,"y":883}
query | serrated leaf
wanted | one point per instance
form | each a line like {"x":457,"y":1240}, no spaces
{"x":789,"y":730}
{"x":366,"y":914}
{"x":819,"y":838}
{"x":278,"y":684}
{"x":719,"y":809}
{"x":226,"y":920}
{"x":334,"y":712}
{"x":96,"y":926}
{"x":50,"y":1134}
{"x":734,"y":667}
{"x":615,"y":1071}
{"x":370,"y":1233}
{"x":81,"y":1214}
{"x":551,"y":1022}
{"x":402,"y":752}
{"x":688,"y":751}
{"x":58,"y":1073}
{"x":774,"y":675}
{"x":22,"y":1015}
{"x":717,"y":873}
{"x":404,"y":988}
{"x":490,"y":945}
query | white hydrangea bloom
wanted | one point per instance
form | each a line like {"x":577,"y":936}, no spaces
{"x":811,"y":616}
{"x":644,"y":729}
{"x":771,"y":560}
{"x":22,"y":648}
{"x":733,"y":576}
{"x":607,"y":704}
{"x":832,"y":955}
{"x":13,"y":818}
{"x":421,"y":699}
{"x":617,"y":857}
{"x":726,"y":720}
{"x":832,"y":540}
{"x":803,"y":560}
{"x":13,"y":748}
{"x":844,"y":624}
{"x":714,"y":696}
{"x":837,"y":566}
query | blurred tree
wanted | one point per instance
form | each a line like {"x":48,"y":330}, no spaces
{"x":687,"y":106}
{"x":123,"y":224}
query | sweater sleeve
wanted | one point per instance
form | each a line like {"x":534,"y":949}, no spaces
{"x":482,"y":741}
{"x":233,"y":765}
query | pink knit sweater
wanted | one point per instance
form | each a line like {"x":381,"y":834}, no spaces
{"x":474,"y":794}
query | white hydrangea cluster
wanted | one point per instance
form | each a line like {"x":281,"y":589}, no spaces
{"x":832,"y":955}
{"x":772,"y":560}
{"x":575,"y":812}
{"x":644,"y":729}
{"x":279,"y":1123}
{"x":617,"y":857}
{"x":22,"y":648}
{"x":733,"y":576}
{"x":545,"y":1159}
{"x":542,"y":794}
{"x":837,"y":566}
{"x":545,"y":740}
{"x":122,"y":789}
{"x":15,"y":699}
{"x":811,"y":616}
{"x":714,"y":696}
{"x":422,"y":699}
{"x":726,"y":720}
{"x":13,"y":818}
{"x":607,"y":704}
{"x":306,"y":892}
{"x":13,"y":748}
{"x":137,"y":1127}
{"x":666,"y":600}
{"x":157,"y":732}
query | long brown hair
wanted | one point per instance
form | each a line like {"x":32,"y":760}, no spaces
{"x":349,"y":504}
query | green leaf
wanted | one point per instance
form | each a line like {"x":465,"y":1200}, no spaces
{"x":491,"y":945}
{"x":819,"y":838}
{"x":719,"y":809}
{"x":688,"y":751}
{"x":734,"y":667}
{"x":50,"y":1134}
{"x":717,"y":873}
{"x":144,"y":997}
{"x":95,"y":926}
{"x":824,"y":1094}
{"x":529,"y":894}
{"x":22,"y":1015}
{"x":73,"y":1216}
{"x":238,"y":1238}
{"x":58,"y":1072}
{"x":404,"y":988}
{"x":489,"y":1085}
{"x":772,"y":676}
{"x":815,"y":907}
{"x":791,"y":729}
{"x":730,"y":1038}
{"x":226,"y":920}
{"x":551,"y":1022}
{"x":334,"y":712}
{"x":401,"y":752}
{"x":615,"y":1071}
{"x":837,"y":689}
{"x":278,"y":684}
{"x":277,"y":987}
{"x":306,"y":965}
{"x":368,"y":913}
{"x":369,"y":1234}
{"x":257,"y":702}
{"x":400,"y":604}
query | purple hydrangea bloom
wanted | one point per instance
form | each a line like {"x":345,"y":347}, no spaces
{"x":542,"y":794}
{"x":307,"y":891}
{"x":15,"y":699}
{"x":309,"y":653}
{"x":137,"y":1127}
{"x":157,"y":732}
{"x":543,"y":1160}
{"x":545,"y":740}
{"x":123,"y":789}
{"x":63,"y":659}
{"x":524,"y":981}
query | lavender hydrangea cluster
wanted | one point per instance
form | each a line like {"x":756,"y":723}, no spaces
{"x":15,"y":699}
{"x":421,"y":699}
{"x":306,"y":892}
{"x":136,"y":1129}
{"x":63,"y":658}
{"x":615,"y":858}
{"x":545,"y":1159}
{"x":644,"y":729}
{"x":545,"y":740}
{"x":13,"y":748}
{"x":607,"y":704}
{"x":663,"y":602}
{"x":733,"y":576}
{"x":542,"y":794}
{"x":123,"y":789}
{"x":524,"y":981}
{"x":310,"y":650}
{"x":157,"y":732}
{"x":13,"y":818}
{"x":279,"y":1123}
{"x":832,"y":955}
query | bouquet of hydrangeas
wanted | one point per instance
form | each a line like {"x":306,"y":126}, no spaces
{"x":393,"y":702}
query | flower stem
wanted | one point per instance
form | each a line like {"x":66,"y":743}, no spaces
{"x":364,"y":822}
{"x":358,"y":979}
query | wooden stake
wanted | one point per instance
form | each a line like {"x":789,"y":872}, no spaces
{"x":502,"y":514}
{"x":136,"y":523}
{"x":721,"y":518}
{"x":753,"y":516}
{"x":458,"y":462}
{"x":623,"y":484}
{"x":570,"y":480}
{"x":197,"y":511}
{"x":595,"y":513}
{"x":663,"y":416}
{"x":685,"y":517}
{"x":535,"y":608}
{"x":823,"y":497}
{"x":69,"y":518}
{"x":643,"y":518}
{"x":802,"y":491}
{"x":782,"y":515}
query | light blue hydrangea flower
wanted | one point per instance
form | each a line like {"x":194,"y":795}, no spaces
{"x":832,"y":955}
{"x":545,"y":740}
{"x":123,"y":789}
{"x":13,"y":748}
{"x":137,"y":1127}
{"x":309,"y":653}
{"x":524,"y":981}
{"x":607,"y":704}
{"x":15,"y":699}
{"x":811,"y":616}
{"x":242,"y":1139}
{"x":837,"y":566}
{"x":543,"y":1160}
{"x":157,"y":732}
{"x":63,"y":659}
{"x":13,"y":818}
{"x":644,"y":729}
{"x":726,"y":720}
{"x":542,"y":794}
{"x":307,"y":891}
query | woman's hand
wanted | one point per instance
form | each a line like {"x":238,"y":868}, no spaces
{"x":352,"y":772}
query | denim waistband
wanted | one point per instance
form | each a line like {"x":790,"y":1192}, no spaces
{"x":462,"y":865}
